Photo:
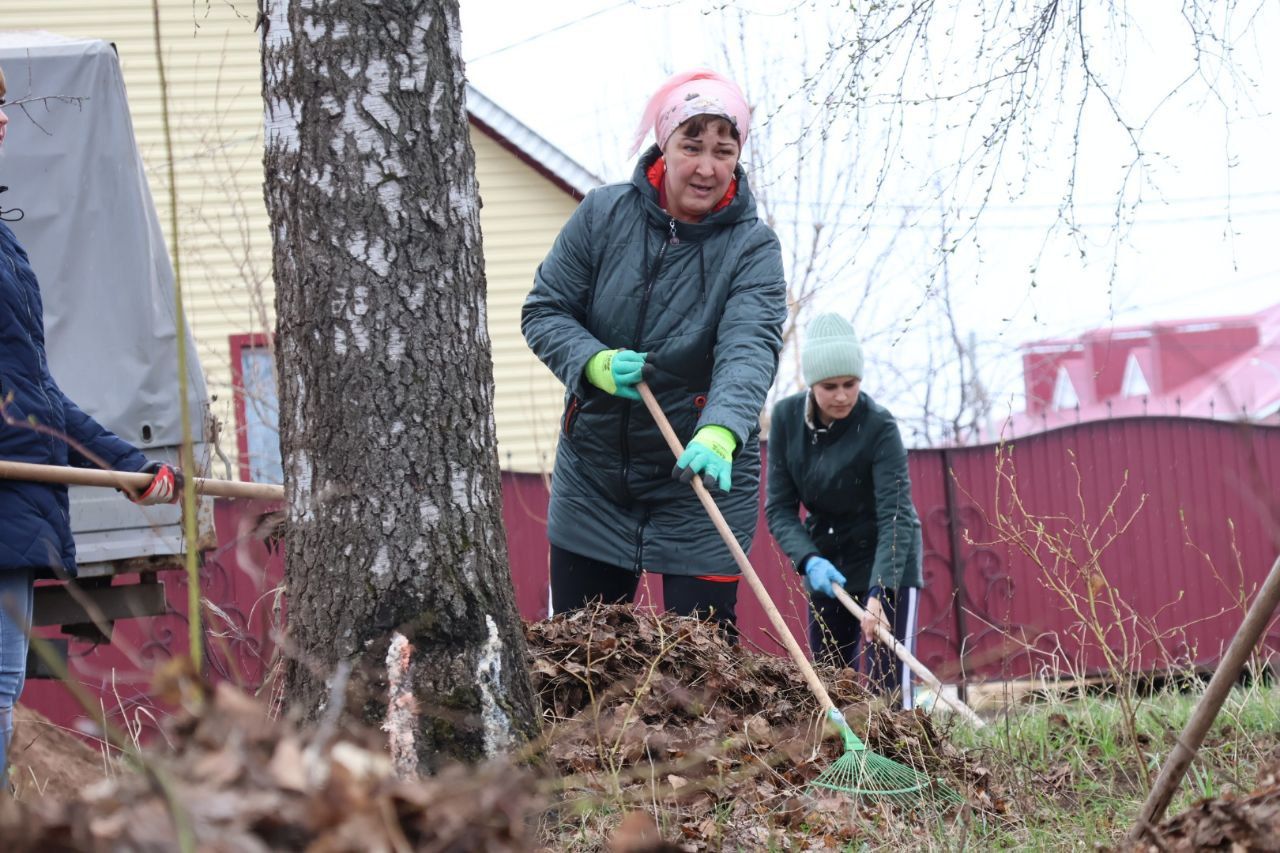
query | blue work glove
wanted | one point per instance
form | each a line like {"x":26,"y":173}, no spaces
{"x":819,"y":574}
{"x":617,"y":372}
{"x":709,"y":453}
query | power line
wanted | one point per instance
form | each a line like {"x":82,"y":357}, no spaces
{"x":988,"y":225}
{"x":1016,"y":207}
{"x":554,"y":29}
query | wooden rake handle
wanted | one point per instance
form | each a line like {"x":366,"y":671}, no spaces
{"x":886,"y":637}
{"x":1224,"y":677}
{"x":762,"y":594}
{"x":137,"y":482}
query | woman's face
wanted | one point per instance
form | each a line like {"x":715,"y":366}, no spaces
{"x":836,"y":397}
{"x":4,"y":119}
{"x":699,"y":169}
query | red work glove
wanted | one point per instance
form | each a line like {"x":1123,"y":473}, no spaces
{"x":165,"y":486}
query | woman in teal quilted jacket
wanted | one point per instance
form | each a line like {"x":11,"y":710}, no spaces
{"x":674,"y":278}
{"x":838,"y":453}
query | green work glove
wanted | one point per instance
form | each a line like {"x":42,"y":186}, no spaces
{"x":616,"y":371}
{"x":709,"y":453}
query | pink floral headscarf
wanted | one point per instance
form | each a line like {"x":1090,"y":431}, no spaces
{"x":688,"y":94}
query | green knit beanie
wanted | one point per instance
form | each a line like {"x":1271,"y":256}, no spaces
{"x":831,"y":349}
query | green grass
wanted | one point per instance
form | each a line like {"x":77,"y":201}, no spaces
{"x":1075,"y":777}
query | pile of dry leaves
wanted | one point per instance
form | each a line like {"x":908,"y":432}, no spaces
{"x":642,"y":706}
{"x":1233,"y":822}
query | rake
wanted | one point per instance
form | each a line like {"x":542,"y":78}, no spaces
{"x":864,"y":773}
{"x":859,"y":772}
{"x":909,"y":659}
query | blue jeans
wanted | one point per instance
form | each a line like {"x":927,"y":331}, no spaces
{"x":15,"y":618}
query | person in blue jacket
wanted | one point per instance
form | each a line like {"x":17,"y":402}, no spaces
{"x":838,"y":453}
{"x":39,"y":424}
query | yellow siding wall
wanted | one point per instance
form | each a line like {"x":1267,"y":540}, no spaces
{"x":521,"y":216}
{"x":214,"y":74}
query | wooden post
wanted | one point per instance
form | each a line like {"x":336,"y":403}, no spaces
{"x":1224,"y":677}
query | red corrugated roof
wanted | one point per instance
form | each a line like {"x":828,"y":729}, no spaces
{"x":1217,"y":367}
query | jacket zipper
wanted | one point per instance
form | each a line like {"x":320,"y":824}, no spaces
{"x":570,"y":415}
{"x":635,"y":342}
{"x":639,"y":564}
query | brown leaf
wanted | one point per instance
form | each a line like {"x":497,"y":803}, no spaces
{"x":221,"y":768}
{"x":286,"y":765}
{"x":542,"y":666}
{"x":638,"y":833}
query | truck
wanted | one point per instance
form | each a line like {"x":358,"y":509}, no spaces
{"x":74,"y":190}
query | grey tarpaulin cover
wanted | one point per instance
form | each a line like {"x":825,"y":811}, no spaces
{"x":89,"y":224}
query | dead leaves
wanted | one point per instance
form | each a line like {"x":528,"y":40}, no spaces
{"x":1235,"y":823}
{"x":642,"y":706}
{"x":241,"y":781}
{"x":644,"y":713}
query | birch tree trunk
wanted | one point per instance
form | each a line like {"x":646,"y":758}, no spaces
{"x":396,"y":556}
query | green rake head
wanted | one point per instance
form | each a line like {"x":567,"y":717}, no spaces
{"x":863,"y":773}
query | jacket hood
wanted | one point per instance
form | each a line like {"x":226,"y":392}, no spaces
{"x":741,"y":209}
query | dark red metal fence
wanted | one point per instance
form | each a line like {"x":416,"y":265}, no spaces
{"x":1205,"y":529}
{"x":1202,"y":497}
{"x":1168,"y":591}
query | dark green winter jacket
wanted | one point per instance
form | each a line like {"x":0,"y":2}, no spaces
{"x":852,"y":478}
{"x":707,"y":302}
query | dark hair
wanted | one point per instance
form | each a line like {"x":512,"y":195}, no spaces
{"x":696,"y":125}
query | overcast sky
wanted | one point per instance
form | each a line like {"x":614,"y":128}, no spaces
{"x":579,"y":71}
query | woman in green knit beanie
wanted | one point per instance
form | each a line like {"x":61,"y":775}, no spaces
{"x":840,"y":454}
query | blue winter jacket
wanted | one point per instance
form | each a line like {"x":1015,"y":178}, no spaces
{"x":39,"y":424}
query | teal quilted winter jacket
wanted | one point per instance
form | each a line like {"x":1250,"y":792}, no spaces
{"x":707,"y":302}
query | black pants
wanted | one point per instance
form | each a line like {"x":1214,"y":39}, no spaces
{"x":835,"y":635}
{"x":577,"y":581}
